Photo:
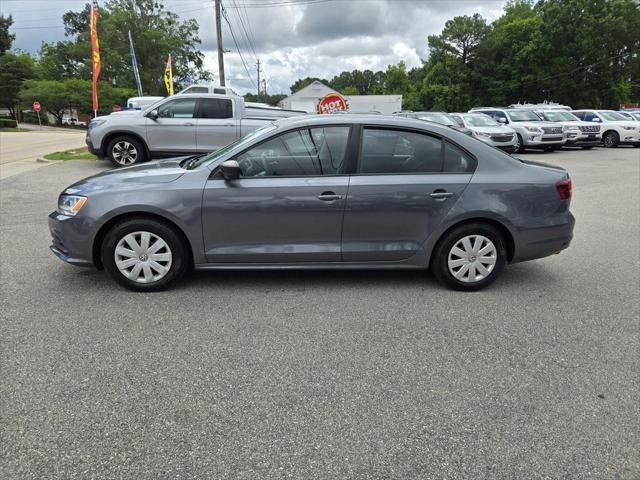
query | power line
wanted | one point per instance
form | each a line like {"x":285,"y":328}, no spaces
{"x":233,"y":36}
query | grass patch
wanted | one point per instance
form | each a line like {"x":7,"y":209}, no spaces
{"x":74,"y":154}
{"x":14,"y":130}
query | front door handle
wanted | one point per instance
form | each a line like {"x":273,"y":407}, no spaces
{"x":189,"y":124}
{"x":329,"y":196}
{"x":228,"y":125}
{"x":440,"y":194}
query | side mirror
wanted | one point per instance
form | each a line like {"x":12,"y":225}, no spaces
{"x":595,"y":119}
{"x":502,"y":120}
{"x":153,"y":114}
{"x":230,"y":170}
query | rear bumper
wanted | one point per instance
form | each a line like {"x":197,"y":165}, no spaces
{"x":70,"y":242}
{"x":544,"y":241}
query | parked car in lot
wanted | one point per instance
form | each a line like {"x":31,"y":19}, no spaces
{"x":616,"y":129}
{"x":487,"y":130}
{"x":630,"y":115}
{"x":177,"y":125}
{"x":324,"y":191}
{"x":531,"y":130}
{"x":579,"y":134}
{"x":441,"y":118}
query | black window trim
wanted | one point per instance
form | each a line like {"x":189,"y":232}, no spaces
{"x":443,"y":140}
{"x":343,"y":168}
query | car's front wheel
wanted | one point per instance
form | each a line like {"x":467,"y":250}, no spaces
{"x":519,"y":146}
{"x":124,"y":151}
{"x":144,"y":254}
{"x":469,"y":257}
{"x":611,"y":139}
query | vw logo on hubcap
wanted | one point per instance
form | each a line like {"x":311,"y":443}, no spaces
{"x":144,"y":257}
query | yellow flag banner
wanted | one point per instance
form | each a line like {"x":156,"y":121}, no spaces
{"x":168,"y":77}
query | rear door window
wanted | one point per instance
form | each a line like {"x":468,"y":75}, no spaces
{"x":215,"y":108}
{"x":399,"y":151}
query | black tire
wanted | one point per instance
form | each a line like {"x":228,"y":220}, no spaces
{"x":610,"y":139}
{"x":122,"y":144}
{"x":440,"y":256}
{"x":519,"y":147}
{"x":587,"y":148}
{"x":548,"y":149}
{"x":179,"y":252}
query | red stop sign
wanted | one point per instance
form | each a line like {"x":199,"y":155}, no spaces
{"x":36,"y":106}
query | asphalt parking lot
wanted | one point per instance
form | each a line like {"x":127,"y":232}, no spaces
{"x":326,"y":374}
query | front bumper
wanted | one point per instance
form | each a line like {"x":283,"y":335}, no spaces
{"x":542,"y":140}
{"x":584,"y":139}
{"x":70,"y":239}
{"x":92,"y":149}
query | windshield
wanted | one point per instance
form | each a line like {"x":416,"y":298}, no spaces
{"x":612,"y":116}
{"x":212,"y":157}
{"x":480,"y":121}
{"x":523,"y":116}
{"x":558,"y":116}
{"x":437,"y":118}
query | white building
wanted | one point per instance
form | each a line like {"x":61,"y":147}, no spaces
{"x":307,"y":99}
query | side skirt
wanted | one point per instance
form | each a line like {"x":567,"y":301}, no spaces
{"x":308,"y":266}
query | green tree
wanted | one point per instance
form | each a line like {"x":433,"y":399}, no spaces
{"x":14,"y":70}
{"x":268,"y":99}
{"x":6,"y":38}
{"x":56,"y":96}
{"x":156,"y":33}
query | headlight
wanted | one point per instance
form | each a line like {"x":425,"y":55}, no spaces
{"x":629,"y":128}
{"x":533,"y":129}
{"x":571,"y":129}
{"x":70,"y":204}
{"x":480,"y":134}
{"x":96,"y":123}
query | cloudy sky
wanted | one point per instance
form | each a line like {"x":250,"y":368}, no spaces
{"x":292,"y":38}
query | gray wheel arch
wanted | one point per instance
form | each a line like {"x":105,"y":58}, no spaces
{"x":508,"y":231}
{"x":120,"y":215}
{"x":123,"y":133}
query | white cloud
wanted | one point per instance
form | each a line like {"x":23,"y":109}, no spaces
{"x":292,"y":41}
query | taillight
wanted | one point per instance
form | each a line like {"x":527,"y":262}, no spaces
{"x":565,"y":189}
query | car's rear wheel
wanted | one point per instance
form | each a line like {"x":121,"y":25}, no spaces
{"x":124,"y":151}
{"x":519,"y":146}
{"x":610,"y":139}
{"x":469,"y":257}
{"x":144,"y":254}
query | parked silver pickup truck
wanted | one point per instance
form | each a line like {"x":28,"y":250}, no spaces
{"x":177,"y":125}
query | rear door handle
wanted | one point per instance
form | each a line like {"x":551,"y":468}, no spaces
{"x":441,"y":194}
{"x":189,"y":124}
{"x":228,"y":125}
{"x":329,"y":197}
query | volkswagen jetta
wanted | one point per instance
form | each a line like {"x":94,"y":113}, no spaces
{"x":332,"y":192}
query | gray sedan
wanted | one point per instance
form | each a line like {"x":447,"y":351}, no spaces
{"x":333,"y":192}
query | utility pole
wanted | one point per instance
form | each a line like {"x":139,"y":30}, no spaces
{"x":219,"y":38}
{"x":264,"y":88}
{"x":258,"y":67}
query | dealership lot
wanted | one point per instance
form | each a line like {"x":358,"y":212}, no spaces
{"x":326,"y":374}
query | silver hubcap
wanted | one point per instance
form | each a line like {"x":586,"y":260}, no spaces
{"x":472,"y":258}
{"x":125,"y":153}
{"x":143,"y":257}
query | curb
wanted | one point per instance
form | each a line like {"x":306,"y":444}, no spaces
{"x":44,"y":160}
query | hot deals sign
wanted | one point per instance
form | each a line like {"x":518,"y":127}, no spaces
{"x":332,"y":102}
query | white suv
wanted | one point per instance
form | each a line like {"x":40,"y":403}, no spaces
{"x":531,"y":130}
{"x":579,"y":134}
{"x":616,"y":129}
